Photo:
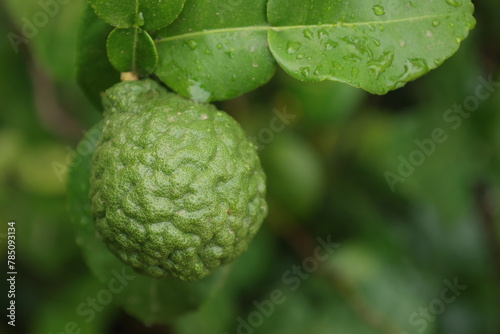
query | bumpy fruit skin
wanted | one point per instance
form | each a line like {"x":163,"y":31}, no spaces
{"x":176,"y":188}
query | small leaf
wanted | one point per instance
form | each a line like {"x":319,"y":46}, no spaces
{"x":148,"y":14}
{"x":375,"y":45}
{"x":94,"y":72}
{"x":216,"y":50}
{"x":132,"y":50}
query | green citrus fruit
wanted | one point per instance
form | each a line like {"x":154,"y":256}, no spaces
{"x":176,"y":188}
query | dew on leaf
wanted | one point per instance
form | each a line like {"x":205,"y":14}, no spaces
{"x":337,"y":66}
{"x":354,"y":72}
{"x":308,"y":33}
{"x":331,"y":44}
{"x":300,"y":56}
{"x":380,"y":65}
{"x":293,"y":47}
{"x":352,"y":58}
{"x":413,"y":68}
{"x":322,"y":33}
{"x":454,"y":3}
{"x":378,"y":10}
{"x":139,"y":20}
{"x":219,"y":46}
{"x":436,"y":23}
{"x":192,"y":44}
{"x":230,"y":53}
{"x":305,"y":71}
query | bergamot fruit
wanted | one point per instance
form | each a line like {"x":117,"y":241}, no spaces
{"x":176,"y":189}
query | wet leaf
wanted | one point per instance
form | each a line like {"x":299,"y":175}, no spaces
{"x":375,"y":45}
{"x":216,"y":50}
{"x":148,"y":14}
{"x":132,"y":50}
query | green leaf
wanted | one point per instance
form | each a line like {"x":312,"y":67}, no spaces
{"x":216,"y":50}
{"x":132,"y":50}
{"x":94,"y":72}
{"x":377,"y":45}
{"x":148,"y":14}
{"x":149,"y":299}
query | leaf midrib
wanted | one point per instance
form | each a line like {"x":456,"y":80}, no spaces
{"x":281,"y":28}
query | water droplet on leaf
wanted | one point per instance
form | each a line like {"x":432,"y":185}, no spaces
{"x":139,"y":20}
{"x":293,"y":47}
{"x":378,"y":10}
{"x":308,"y":33}
{"x":305,"y":71}
{"x":454,"y":3}
{"x":192,"y":44}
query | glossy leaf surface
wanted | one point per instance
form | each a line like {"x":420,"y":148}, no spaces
{"x":375,"y":45}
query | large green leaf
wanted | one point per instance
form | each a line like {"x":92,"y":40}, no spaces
{"x":216,"y":50}
{"x":149,"y":299}
{"x":377,"y":45}
{"x":132,"y":50}
{"x":94,"y":72}
{"x":148,"y":14}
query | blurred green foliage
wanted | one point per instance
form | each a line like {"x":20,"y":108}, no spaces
{"x":326,"y":177}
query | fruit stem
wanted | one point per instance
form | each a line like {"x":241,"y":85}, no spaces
{"x":128,"y":76}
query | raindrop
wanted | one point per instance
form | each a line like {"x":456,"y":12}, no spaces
{"x":436,"y":23}
{"x":378,"y":10}
{"x":230,"y":53}
{"x":308,"y":34}
{"x":454,"y":3}
{"x":337,"y":66}
{"x":300,"y":56}
{"x":293,"y":47}
{"x":208,"y":52}
{"x":331,"y":44}
{"x":354,"y":72}
{"x":381,"y":27}
{"x":305,"y":71}
{"x":192,"y":44}
{"x":322,"y":33}
{"x":219,"y":46}
{"x":379,"y":66}
{"x":139,"y":20}
{"x":413,"y":68}
{"x":352,"y":58}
